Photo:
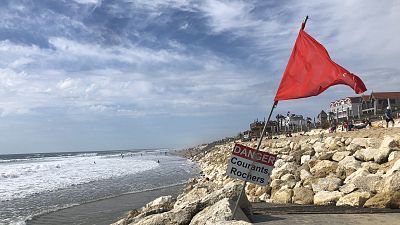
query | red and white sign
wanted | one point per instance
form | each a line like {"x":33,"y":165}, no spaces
{"x":251,"y":165}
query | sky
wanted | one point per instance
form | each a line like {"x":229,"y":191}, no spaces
{"x":79,"y":75}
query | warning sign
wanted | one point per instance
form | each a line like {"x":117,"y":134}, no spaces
{"x":251,"y":165}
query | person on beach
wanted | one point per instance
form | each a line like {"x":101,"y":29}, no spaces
{"x":389,"y":116}
{"x":344,"y":125}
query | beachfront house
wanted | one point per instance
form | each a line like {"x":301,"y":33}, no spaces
{"x":376,"y":103}
{"x":346,"y":108}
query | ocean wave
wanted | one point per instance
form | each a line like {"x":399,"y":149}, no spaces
{"x":27,"y":178}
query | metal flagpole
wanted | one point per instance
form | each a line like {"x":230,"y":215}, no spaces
{"x":258,"y":147}
{"x":259,"y":142}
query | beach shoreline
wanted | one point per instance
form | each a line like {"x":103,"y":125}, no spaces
{"x":104,"y":211}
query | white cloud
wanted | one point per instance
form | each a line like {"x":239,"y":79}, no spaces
{"x":92,"y":2}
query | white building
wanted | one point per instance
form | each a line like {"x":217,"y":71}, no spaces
{"x":347,"y":107}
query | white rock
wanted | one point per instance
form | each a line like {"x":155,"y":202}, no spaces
{"x":354,"y":199}
{"x":326,"y":184}
{"x":219,"y":212}
{"x":391,"y":183}
{"x":340,"y":155}
{"x":394,"y":168}
{"x":365,"y":154}
{"x":348,"y":165}
{"x":362,"y":142}
{"x":394,"y":155}
{"x":304,"y":159}
{"x":160,"y":201}
{"x":304,"y":174}
{"x":327,"y":198}
{"x":319,"y":147}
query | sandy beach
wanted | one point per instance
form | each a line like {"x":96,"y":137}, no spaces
{"x":104,"y":211}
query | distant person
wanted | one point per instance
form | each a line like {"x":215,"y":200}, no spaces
{"x":389,"y":116}
{"x":158,"y":161}
{"x":345,"y":125}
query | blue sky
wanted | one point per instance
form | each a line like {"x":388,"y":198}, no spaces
{"x":81,"y":75}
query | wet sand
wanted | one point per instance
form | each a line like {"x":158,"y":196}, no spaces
{"x":104,"y":211}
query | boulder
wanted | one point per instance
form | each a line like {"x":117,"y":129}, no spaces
{"x":348,"y":188}
{"x":319,"y":147}
{"x":382,"y":155}
{"x":347,"y":141}
{"x":340,"y":155}
{"x":394,"y":168}
{"x":180,"y":216}
{"x":289,"y":180}
{"x":219,"y":212}
{"x":283,"y":195}
{"x":327,"y":198}
{"x":388,"y":144}
{"x":325,"y":155}
{"x":230,"y":190}
{"x":365,"y":154}
{"x":288,"y":167}
{"x":347,"y":166}
{"x":354,"y":199}
{"x":303,"y":195}
{"x":192,"y":196}
{"x":361,"y":142}
{"x":161,"y":201}
{"x":394,"y":155}
{"x":391,"y":183}
{"x":326,"y":184}
{"x":324,"y":168}
{"x":304,"y":159}
{"x":384,"y":200}
{"x":364,"y":181}
{"x":370,"y":166}
{"x":276,"y":185}
{"x":304,"y":174}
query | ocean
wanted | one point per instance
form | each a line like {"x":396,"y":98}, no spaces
{"x":32,"y":185}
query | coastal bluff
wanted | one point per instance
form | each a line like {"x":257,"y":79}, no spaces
{"x":357,"y":168}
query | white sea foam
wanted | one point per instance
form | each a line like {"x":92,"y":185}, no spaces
{"x":20,"y":179}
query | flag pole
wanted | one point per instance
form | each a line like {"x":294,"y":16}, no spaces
{"x":257,"y":149}
{"x":259,"y":141}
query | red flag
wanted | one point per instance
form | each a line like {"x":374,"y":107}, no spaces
{"x":310,"y":71}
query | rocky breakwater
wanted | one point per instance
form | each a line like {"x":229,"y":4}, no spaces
{"x":358,"y":168}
